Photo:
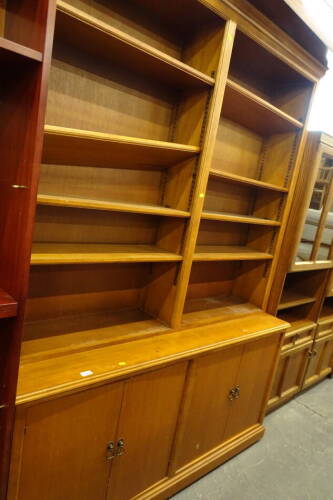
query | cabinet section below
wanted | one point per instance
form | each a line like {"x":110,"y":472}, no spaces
{"x":150,"y":425}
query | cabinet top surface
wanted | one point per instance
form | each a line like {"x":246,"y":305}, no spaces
{"x":59,"y":375}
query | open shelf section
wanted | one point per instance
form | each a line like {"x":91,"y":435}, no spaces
{"x":213,"y":309}
{"x":246,"y":219}
{"x":8,"y":306}
{"x":67,"y":146}
{"x":86,"y":331}
{"x":226,"y":252}
{"x":239,"y":179}
{"x":291,"y":299}
{"x":94,"y":253}
{"x":251,"y":111}
{"x":296,"y":319}
{"x":97,"y":37}
{"x":326,"y":313}
{"x":10,"y":51}
{"x":74,"y":202}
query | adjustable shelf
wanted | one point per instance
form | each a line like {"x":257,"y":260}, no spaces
{"x":245,"y":219}
{"x":86,"y":331}
{"x":291,"y":299}
{"x":94,"y":253}
{"x":213,"y":309}
{"x":11,"y":51}
{"x":239,"y":179}
{"x":8,"y":306}
{"x":255,"y":113}
{"x":225,"y":252}
{"x":67,"y":146}
{"x":97,"y":37}
{"x":75,"y":202}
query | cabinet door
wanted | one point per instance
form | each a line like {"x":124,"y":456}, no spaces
{"x":253,"y":380}
{"x":64,"y":452}
{"x":290,"y":374}
{"x":320,"y":364}
{"x":147,"y":425}
{"x":206,"y":405}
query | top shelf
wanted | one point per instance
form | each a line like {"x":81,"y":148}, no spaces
{"x":94,"y":36}
{"x":248,"y":109}
{"x":11,"y":51}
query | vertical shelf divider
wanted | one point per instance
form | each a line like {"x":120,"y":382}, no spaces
{"x":208,"y":143}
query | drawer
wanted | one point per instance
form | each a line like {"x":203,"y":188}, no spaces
{"x":298,"y":337}
{"x":324,"y":328}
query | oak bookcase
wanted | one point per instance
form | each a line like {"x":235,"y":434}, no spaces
{"x":151,"y":166}
{"x":305,"y":267}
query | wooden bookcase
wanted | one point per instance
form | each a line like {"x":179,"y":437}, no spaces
{"x":159,"y":202}
{"x":307,"y":355}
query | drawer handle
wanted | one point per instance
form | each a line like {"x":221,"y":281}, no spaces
{"x":234,"y":393}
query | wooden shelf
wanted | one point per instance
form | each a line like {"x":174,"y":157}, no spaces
{"x":71,"y":334}
{"x":95,"y":36}
{"x":9,"y":51}
{"x":239,"y":179}
{"x":8,"y":306}
{"x":213,"y":309}
{"x":245,"y":219}
{"x":291,"y":299}
{"x":112,"y":206}
{"x":94,"y":253}
{"x":224,"y":252}
{"x":246,"y":108}
{"x":67,"y":146}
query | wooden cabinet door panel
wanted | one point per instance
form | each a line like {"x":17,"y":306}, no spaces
{"x":295,"y":366}
{"x":64,"y":450}
{"x":327,"y":356}
{"x":147,"y":425}
{"x":253,"y":378}
{"x":320,"y":361}
{"x":206,"y":405}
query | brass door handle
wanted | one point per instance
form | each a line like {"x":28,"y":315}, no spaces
{"x":120,"y":447}
{"x":234,"y":393}
{"x":110,"y":451}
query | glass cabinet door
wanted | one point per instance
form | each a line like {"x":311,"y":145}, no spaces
{"x":315,"y":245}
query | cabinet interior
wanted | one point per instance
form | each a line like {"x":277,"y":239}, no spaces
{"x":220,"y":291}
{"x":77,"y":307}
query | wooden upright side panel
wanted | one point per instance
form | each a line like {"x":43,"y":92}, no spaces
{"x":65,"y":446}
{"x":147,"y":425}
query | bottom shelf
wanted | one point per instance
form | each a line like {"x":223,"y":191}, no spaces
{"x":297,"y":322}
{"x":54,"y":337}
{"x":211,"y":309}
